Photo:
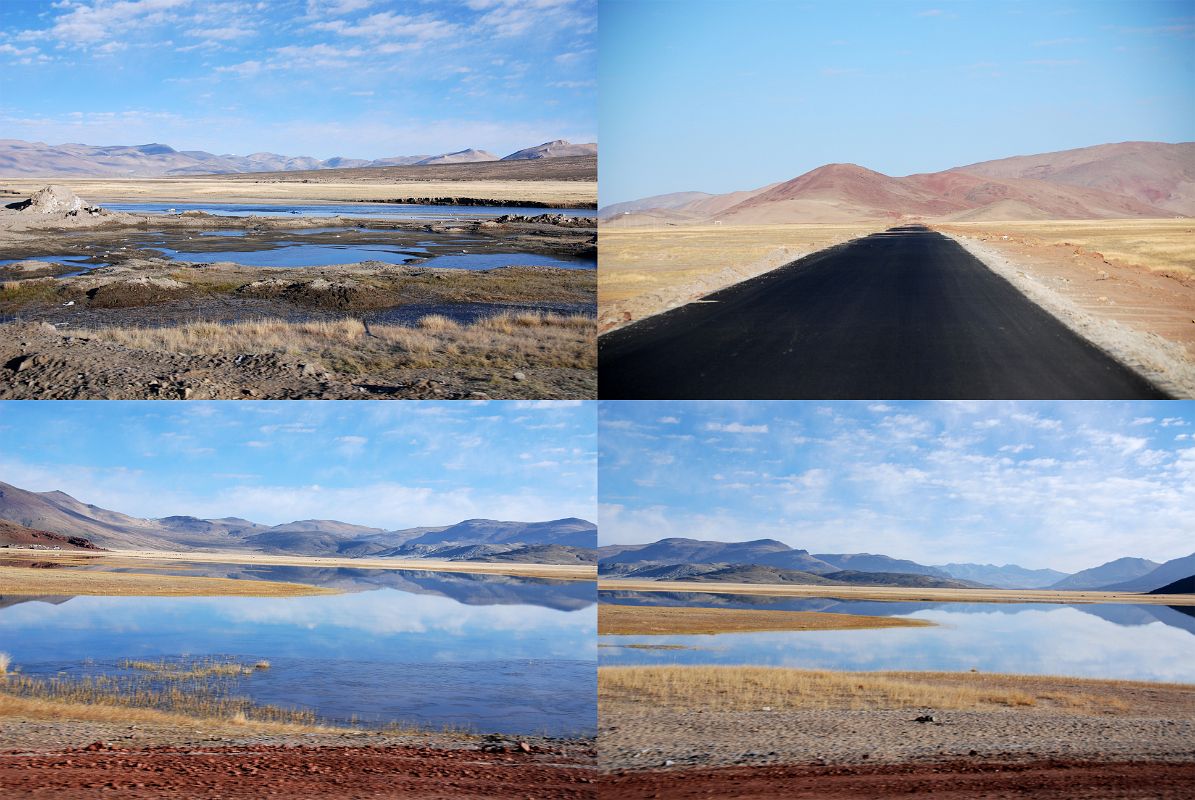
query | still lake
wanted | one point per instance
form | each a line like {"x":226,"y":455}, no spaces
{"x":483,"y":653}
{"x":1130,"y":642}
{"x":343,"y":210}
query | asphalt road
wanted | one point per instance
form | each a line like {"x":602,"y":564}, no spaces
{"x":903,"y":314}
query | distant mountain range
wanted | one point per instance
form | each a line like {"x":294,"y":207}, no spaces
{"x":563,"y":541}
{"x":37,"y":159}
{"x":1129,"y":179}
{"x":772,"y":561}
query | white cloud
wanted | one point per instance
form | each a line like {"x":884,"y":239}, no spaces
{"x":735,"y":427}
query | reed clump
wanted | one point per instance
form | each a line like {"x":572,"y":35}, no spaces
{"x":200,"y":689}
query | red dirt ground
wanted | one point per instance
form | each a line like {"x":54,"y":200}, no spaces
{"x":328,"y":773}
{"x":1055,"y":780}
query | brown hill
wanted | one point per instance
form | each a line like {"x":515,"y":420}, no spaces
{"x":846,"y":192}
{"x":1135,"y":179}
{"x":13,"y":535}
{"x":1156,"y":173}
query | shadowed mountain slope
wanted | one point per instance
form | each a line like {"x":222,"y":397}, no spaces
{"x":61,"y":514}
{"x":1117,"y":571}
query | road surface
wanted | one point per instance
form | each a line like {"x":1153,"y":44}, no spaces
{"x":907,"y":313}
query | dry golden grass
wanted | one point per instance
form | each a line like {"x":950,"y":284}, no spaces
{"x":138,"y":190}
{"x":157,"y":559}
{"x":12,"y":707}
{"x":645,"y":270}
{"x":743,"y":688}
{"x":347,"y":347}
{"x":1159,"y":245}
{"x":661,"y":620}
{"x":23,"y":581}
{"x":899,"y":593}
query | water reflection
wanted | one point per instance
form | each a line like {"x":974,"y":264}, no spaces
{"x":1099,"y":641}
{"x":1182,"y":617}
{"x":463,"y":587}
{"x":488,"y":653}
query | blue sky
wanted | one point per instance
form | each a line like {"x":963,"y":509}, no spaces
{"x":389,"y":465}
{"x":357,"y":78}
{"x":721,"y":96}
{"x":1062,"y":485}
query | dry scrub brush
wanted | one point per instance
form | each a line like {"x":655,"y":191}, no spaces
{"x":748,"y":688}
{"x":349,"y":347}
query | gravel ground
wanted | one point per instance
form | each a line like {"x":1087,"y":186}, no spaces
{"x":632,"y":737}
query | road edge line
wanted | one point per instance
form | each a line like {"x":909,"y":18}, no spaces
{"x":1160,"y":361}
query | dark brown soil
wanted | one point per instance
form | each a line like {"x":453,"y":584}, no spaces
{"x":331,"y":773}
{"x":956,"y":780}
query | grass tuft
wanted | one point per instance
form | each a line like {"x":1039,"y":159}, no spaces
{"x":504,"y":341}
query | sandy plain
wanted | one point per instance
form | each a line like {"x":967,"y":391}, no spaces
{"x":900,"y":593}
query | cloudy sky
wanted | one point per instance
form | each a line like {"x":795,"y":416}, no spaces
{"x":357,"y":78}
{"x":719,"y":96}
{"x":389,"y":465}
{"x":1062,"y":485}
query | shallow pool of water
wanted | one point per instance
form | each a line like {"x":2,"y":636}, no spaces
{"x":290,"y":254}
{"x":1142,"y":642}
{"x":52,"y":259}
{"x":342,"y":210}
{"x":486,"y":653}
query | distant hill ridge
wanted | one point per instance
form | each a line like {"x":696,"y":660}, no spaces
{"x":20,"y":158}
{"x":1128,"y":179}
{"x":62,"y":515}
{"x":773,"y":561}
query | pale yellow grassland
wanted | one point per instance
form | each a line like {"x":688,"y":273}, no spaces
{"x":752,"y":688}
{"x":217,"y":190}
{"x":1159,"y":245}
{"x":662,"y":620}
